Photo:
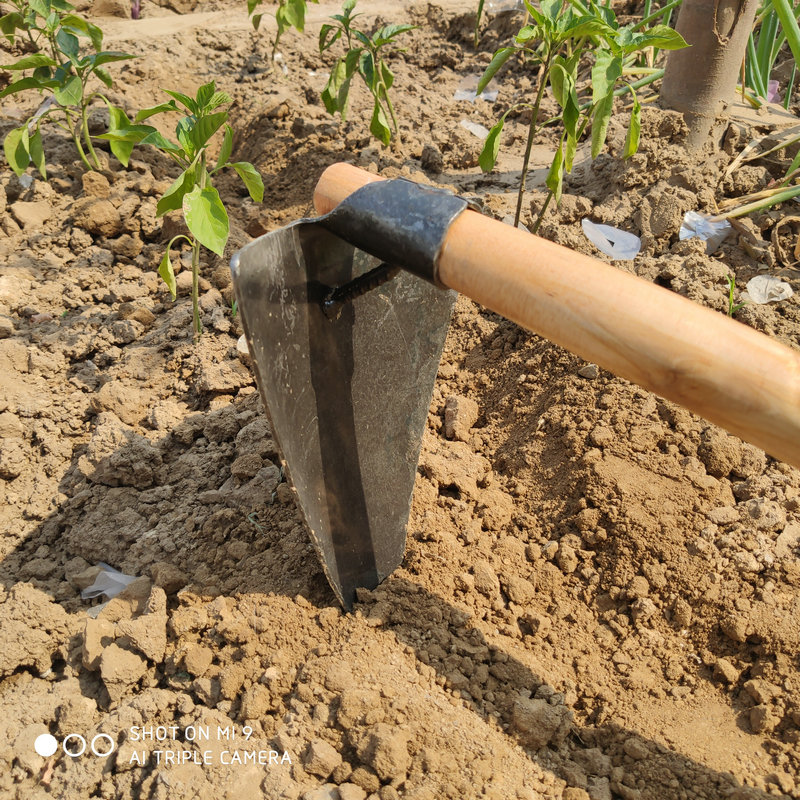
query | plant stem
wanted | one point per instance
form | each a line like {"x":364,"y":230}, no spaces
{"x":198,"y":325}
{"x":541,"y":213}
{"x":529,"y":144}
{"x":87,"y":138}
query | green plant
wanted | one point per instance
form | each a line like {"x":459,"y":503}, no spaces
{"x":557,"y":40}
{"x":61,"y":65}
{"x":776,"y":23}
{"x":364,"y":56}
{"x":192,"y":192}
{"x":733,"y":307}
{"x":289,"y":14}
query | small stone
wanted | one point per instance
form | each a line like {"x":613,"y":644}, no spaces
{"x":10,"y":426}
{"x":636,"y":748}
{"x":351,"y":791}
{"x":638,"y":587}
{"x":95,"y":184}
{"x":486,"y":581}
{"x":540,"y":723}
{"x":766,"y":514}
{"x":246,"y":466}
{"x":97,"y":635}
{"x":257,"y":701}
{"x":321,"y":758}
{"x":366,"y":779}
{"x":735,"y":628}
{"x":725,"y":671}
{"x":601,"y":436}
{"x":169,"y":577}
{"x":6,"y":327}
{"x":120,"y":670}
{"x":432,"y":159}
{"x":96,"y":216}
{"x":126,"y":245}
{"x":31,"y":215}
{"x":761,"y":691}
{"x":148,"y":634}
{"x":460,"y":414}
{"x":681,"y":613}
{"x":719,"y":452}
{"x":384,"y":748}
{"x":197,"y":660}
{"x":567,"y":558}
{"x":589,"y":371}
{"x":762,"y":719}
{"x":787,"y":542}
{"x":575,"y":793}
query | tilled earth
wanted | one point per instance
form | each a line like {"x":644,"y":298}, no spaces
{"x":601,"y":592}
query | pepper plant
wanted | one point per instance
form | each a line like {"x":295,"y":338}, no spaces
{"x":289,"y":14}
{"x":364,"y":56}
{"x":559,"y":36}
{"x":62,"y":65}
{"x":192,"y":191}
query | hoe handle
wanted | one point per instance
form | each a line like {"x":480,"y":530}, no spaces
{"x":719,"y":368}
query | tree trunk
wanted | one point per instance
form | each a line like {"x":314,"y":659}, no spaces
{"x":700,"y":79}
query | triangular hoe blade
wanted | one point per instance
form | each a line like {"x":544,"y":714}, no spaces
{"x":348,"y":397}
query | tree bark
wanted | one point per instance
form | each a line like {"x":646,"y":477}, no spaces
{"x":700,"y":79}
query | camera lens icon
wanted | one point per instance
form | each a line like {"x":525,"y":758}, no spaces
{"x":74,"y":745}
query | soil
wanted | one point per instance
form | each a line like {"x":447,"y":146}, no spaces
{"x":601,"y":592}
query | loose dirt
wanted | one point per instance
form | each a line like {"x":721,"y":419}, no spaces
{"x":601,"y":592}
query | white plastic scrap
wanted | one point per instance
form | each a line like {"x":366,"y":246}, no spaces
{"x":766,"y":289}
{"x":468,"y":90}
{"x":712,"y":233}
{"x":109,"y":582}
{"x":474,"y":127}
{"x":620,"y":245}
{"x":498,"y":6}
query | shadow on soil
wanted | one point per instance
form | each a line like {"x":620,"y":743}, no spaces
{"x":237,"y":535}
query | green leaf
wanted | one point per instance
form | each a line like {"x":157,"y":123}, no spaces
{"x":70,"y":93}
{"x":296,"y":13}
{"x":183,"y":132}
{"x":569,"y":152}
{"x":165,"y":268}
{"x":555,"y":177}
{"x":252,"y":5}
{"x":205,"y":127}
{"x":27,"y":83}
{"x":9,"y":23}
{"x":145,"y":113}
{"x":606,"y":72}
{"x":366,"y":66}
{"x":68,"y":44}
{"x":109,"y":57}
{"x":491,"y":147}
{"x":500,"y":58}
{"x":332,"y":93}
{"x":36,"y":152}
{"x":15,"y":150}
{"x":252,"y":179}
{"x":379,"y":125}
{"x":660,"y":36}
{"x":206,"y":218}
{"x":560,"y":82}
{"x":551,"y":8}
{"x":204,"y":94}
{"x":185,"y":101}
{"x":161,"y":142}
{"x":634,"y":128}
{"x":328,"y":34}
{"x":172,"y":199}
{"x":256,"y":20}
{"x":79,"y":26}
{"x":31,"y":62}
{"x":227,"y":147}
{"x":385,"y":34}
{"x":104,"y":76}
{"x":387,"y":75}
{"x":602,"y":116}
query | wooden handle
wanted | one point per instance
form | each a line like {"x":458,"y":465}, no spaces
{"x":717,"y":367}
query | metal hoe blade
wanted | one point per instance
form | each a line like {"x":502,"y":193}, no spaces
{"x":347,"y":397}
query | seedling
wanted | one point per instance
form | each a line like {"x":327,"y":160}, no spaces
{"x":364,"y":56}
{"x":733,"y":307}
{"x":556,"y":41}
{"x":289,"y":14}
{"x":59,"y":64}
{"x":192,"y":192}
